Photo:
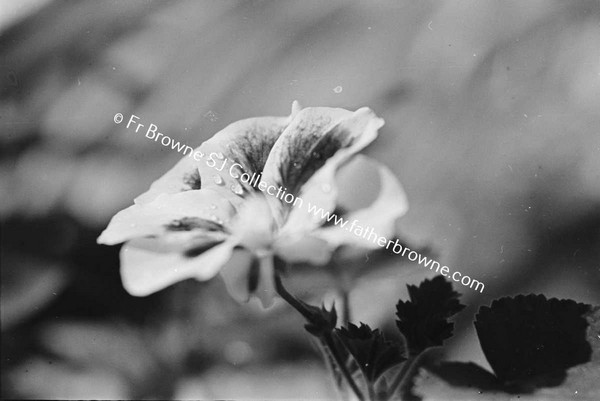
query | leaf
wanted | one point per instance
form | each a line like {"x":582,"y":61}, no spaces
{"x":424,"y":319}
{"x":462,"y":381}
{"x":431,"y":386}
{"x":470,"y":375}
{"x":369,"y":348}
{"x":593,"y":332}
{"x":582,"y":380}
{"x":320,"y":320}
{"x":529,"y":337}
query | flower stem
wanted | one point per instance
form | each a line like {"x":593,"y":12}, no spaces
{"x":345,"y":318}
{"x":332,"y":369}
{"x":326,"y":338}
{"x":290,"y":299}
{"x":371,"y":391}
{"x":402,"y":375}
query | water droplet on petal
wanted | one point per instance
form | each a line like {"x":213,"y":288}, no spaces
{"x":237,"y":189}
{"x":296,"y":164}
{"x":218,"y":179}
{"x":338,"y":89}
{"x":316,"y":155}
{"x":213,"y":206}
{"x":132,"y":225}
{"x":326,"y":188}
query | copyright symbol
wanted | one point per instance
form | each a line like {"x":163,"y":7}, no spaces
{"x":118,"y":118}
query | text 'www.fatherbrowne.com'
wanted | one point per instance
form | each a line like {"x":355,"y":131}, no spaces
{"x":220,"y":163}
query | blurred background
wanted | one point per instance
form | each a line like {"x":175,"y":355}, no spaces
{"x":492,"y":125}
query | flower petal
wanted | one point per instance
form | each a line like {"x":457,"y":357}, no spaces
{"x":177,"y":216}
{"x":380,"y":216}
{"x":244,"y":143}
{"x":304,"y":249}
{"x":247,"y":275}
{"x":329,"y":149}
{"x":146,"y":269}
{"x":265,"y":281}
{"x":253,"y":224}
{"x":236,"y":274}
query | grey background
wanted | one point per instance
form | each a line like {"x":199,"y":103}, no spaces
{"x":492,"y":126}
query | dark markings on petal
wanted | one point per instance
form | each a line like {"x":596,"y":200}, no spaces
{"x":339,"y":211}
{"x":253,"y":275}
{"x":252,"y":149}
{"x":192,"y":180}
{"x":200,"y":249}
{"x":194,"y":223}
{"x":308,"y":152}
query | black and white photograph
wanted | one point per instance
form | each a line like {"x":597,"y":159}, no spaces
{"x":362,"y":200}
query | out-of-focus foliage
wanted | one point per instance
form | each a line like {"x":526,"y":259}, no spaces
{"x":491,"y":126}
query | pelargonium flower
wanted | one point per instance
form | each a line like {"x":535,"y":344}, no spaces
{"x":192,"y":219}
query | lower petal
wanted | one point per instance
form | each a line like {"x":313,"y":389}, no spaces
{"x":235,"y":274}
{"x":265,"y":288}
{"x":191,"y":212}
{"x":145,"y":270}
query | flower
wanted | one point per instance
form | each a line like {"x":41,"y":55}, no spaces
{"x":192,"y":220}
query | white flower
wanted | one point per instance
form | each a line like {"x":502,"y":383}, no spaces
{"x":189,"y":222}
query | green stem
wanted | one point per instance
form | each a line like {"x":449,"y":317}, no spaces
{"x":344,"y":283}
{"x":345,"y":318}
{"x":331,"y":367}
{"x":326,"y":338}
{"x":371,"y":390}
{"x":401,"y":377}
{"x":290,"y":299}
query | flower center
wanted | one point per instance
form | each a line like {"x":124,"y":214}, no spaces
{"x":254,"y":225}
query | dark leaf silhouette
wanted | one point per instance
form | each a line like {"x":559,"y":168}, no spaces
{"x":424,"y":319}
{"x":320,"y":320}
{"x":593,"y":332}
{"x":461,"y":374}
{"x":530,"y":337}
{"x":369,"y":348}
{"x":461,"y":381}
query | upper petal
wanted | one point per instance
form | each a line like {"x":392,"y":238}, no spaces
{"x":380,"y":216}
{"x":175,"y":216}
{"x":242,"y":146}
{"x":306,"y":162}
